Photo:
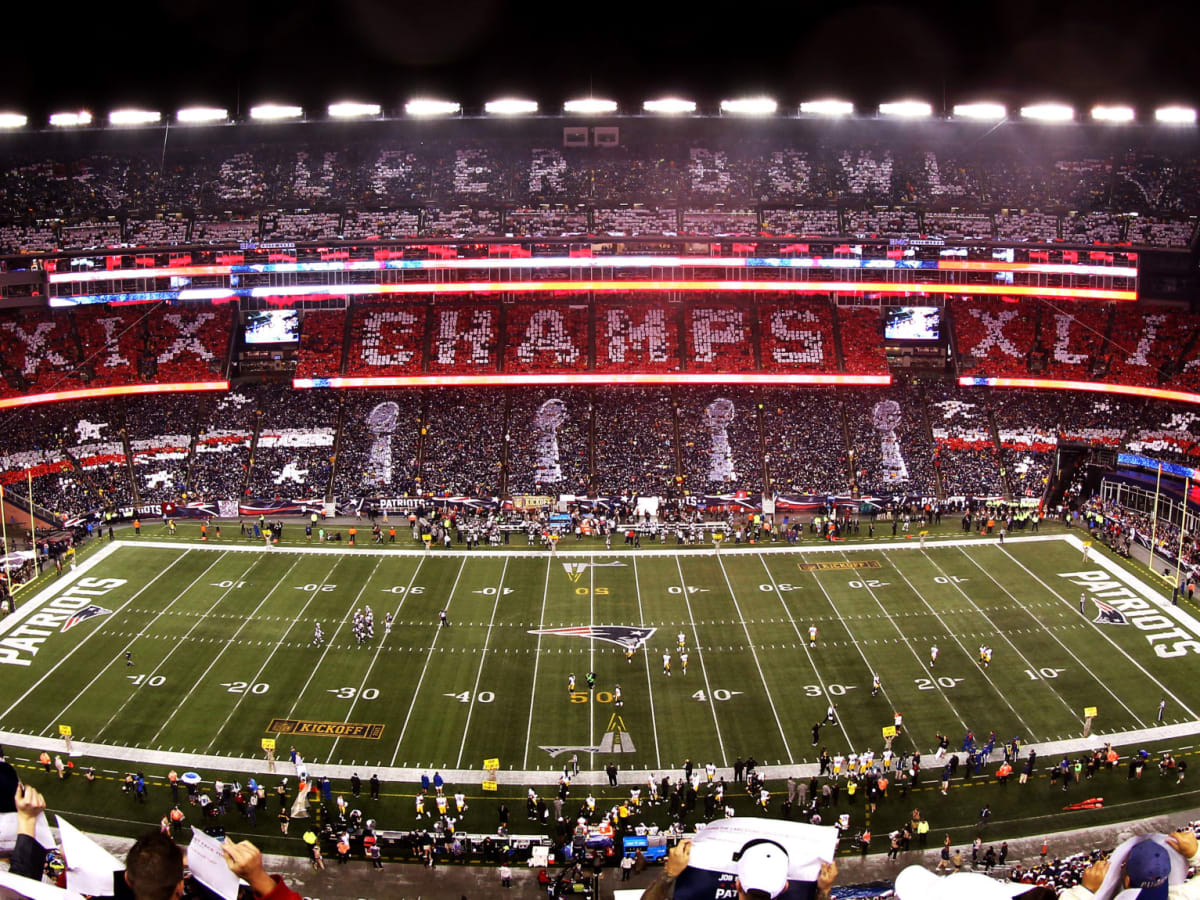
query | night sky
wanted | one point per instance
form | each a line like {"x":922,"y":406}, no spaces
{"x":170,"y":53}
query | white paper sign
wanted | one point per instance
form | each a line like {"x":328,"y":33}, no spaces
{"x":8,"y":832}
{"x":35,"y":890}
{"x":807,"y":846}
{"x":89,"y":866}
{"x":206,"y":861}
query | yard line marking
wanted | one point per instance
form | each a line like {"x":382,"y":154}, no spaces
{"x":379,"y":649}
{"x":637,"y":587}
{"x":808,"y":653}
{"x":179,"y":643}
{"x":425,"y":668}
{"x":858,"y":646}
{"x":333,"y":637}
{"x":754,"y":654}
{"x":954,"y":637}
{"x":245,"y":621}
{"x":1100,"y":631}
{"x":1102,"y":682}
{"x":536,"y":659}
{"x":712,"y":703}
{"x":482,"y":659}
{"x":591,"y":662}
{"x":54,"y":668}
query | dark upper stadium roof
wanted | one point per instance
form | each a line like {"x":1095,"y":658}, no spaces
{"x":169,"y":53}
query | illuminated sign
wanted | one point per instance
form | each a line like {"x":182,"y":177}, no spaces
{"x":907,"y":289}
{"x":583,"y":378}
{"x":90,"y":393}
{"x":1128,"y":389}
{"x":588,"y":262}
{"x":1169,"y":468}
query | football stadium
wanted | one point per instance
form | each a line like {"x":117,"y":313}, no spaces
{"x":542,"y":495}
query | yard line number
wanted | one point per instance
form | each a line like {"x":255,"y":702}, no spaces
{"x":349,"y":693}
{"x":465,"y":696}
{"x":243,"y":687}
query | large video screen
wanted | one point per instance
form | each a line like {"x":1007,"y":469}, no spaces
{"x":272,"y":326}
{"x":913,"y":323}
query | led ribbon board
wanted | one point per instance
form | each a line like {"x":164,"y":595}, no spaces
{"x":578,"y":287}
{"x":585,"y":378}
{"x":590,"y":262}
{"x":91,"y":393}
{"x":1131,"y":390}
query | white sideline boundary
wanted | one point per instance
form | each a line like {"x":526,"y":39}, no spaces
{"x":213,"y":766}
{"x":220,"y":765}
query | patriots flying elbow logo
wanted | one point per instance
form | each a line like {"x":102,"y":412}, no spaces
{"x":86,"y":613}
{"x":1108,"y":615}
{"x":627,"y":636}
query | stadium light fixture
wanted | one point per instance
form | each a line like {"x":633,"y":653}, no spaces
{"x":133,"y":117}
{"x":348,"y":109}
{"x":750,"y":106}
{"x":423,"y":106}
{"x":1048,"y":112}
{"x":271,"y":112}
{"x":510,"y":106}
{"x":1112,"y":113}
{"x":12,"y":120}
{"x":906,"y":109}
{"x":982,"y":111}
{"x":193,"y":114}
{"x":591,"y":105}
{"x":827,"y":108}
{"x":71,"y":119}
{"x":1176,"y":115}
{"x":671,"y":106}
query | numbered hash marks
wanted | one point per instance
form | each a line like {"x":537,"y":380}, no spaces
{"x":221,"y":643}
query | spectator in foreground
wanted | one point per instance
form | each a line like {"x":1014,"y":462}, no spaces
{"x":1153,"y":867}
{"x":28,"y":857}
{"x":154,"y":869}
{"x":758,"y":877}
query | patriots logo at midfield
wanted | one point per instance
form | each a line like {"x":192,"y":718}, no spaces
{"x":1108,"y":615}
{"x":627,"y":636}
{"x":86,"y":613}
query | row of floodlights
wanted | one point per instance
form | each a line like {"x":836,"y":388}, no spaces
{"x":748,"y":106}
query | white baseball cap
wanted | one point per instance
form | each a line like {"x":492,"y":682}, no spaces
{"x":763,"y":866}
{"x":918,"y":883}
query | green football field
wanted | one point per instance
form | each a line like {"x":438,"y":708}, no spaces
{"x":220,"y":637}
